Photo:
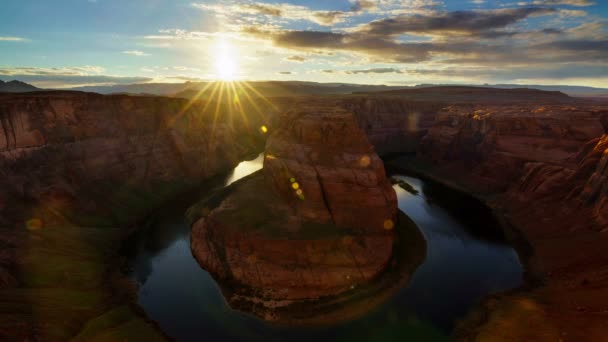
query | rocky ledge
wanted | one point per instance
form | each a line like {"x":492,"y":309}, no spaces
{"x":315,"y":226}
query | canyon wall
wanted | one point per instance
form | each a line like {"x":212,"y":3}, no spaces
{"x":392,"y":124}
{"x":494,"y":142}
{"x":58,"y":147}
{"x":544,"y":171}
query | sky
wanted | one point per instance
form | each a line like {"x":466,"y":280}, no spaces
{"x":68,"y":43}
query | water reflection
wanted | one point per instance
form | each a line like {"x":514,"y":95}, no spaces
{"x":245,"y":168}
{"x":461,"y":266}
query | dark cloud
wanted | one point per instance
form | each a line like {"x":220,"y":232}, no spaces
{"x":498,"y":42}
{"x":375,"y":71}
{"x":510,"y":74}
{"x":552,"y":31}
{"x":580,"y":3}
{"x":264,"y":9}
{"x":363,"y":5}
{"x":458,"y":22}
{"x":328,"y":18}
{"x":596,"y":46}
{"x":285,"y":72}
{"x":298,"y":59}
{"x":384,"y":49}
{"x":307,"y":39}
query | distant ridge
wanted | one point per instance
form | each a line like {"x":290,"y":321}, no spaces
{"x":16,"y":87}
{"x":294,"y":88}
{"x":265,"y":88}
{"x":579,"y":91}
{"x":478,"y":94}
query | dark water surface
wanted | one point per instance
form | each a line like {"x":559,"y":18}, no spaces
{"x":466,"y":259}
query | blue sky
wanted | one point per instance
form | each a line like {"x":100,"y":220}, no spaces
{"x":66,"y":43}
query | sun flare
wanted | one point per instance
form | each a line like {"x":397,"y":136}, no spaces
{"x":226,"y":66}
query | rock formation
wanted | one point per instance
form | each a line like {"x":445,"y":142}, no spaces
{"x":544,"y":168}
{"x":70,"y":145}
{"x":317,"y":223}
{"x":493,"y":142}
{"x":322,"y":164}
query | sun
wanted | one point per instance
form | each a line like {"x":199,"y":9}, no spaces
{"x":226,"y":66}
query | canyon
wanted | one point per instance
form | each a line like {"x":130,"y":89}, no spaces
{"x":78,"y":167}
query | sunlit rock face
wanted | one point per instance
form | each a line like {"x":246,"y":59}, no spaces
{"x":595,"y":191}
{"x":322,"y":164}
{"x":317,"y":224}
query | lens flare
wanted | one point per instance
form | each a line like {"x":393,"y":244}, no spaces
{"x":226,"y":66}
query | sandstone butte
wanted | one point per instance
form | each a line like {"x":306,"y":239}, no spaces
{"x":317,"y":222}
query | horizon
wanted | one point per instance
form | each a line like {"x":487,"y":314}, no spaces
{"x":420,"y":85}
{"x":385,"y":42}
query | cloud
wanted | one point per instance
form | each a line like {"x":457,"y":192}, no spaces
{"x":579,"y":3}
{"x":285,"y":72}
{"x":381,"y":48}
{"x":477,"y":37}
{"x":12,"y":39}
{"x":178,"y":34}
{"x":509,"y":74}
{"x":297,"y":59}
{"x":282,"y":10}
{"x":457,"y":22}
{"x":135,"y":53}
{"x":67,"y":77}
{"x":375,"y":71}
{"x":364,"y":5}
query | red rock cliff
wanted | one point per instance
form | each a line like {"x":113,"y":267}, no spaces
{"x":59,"y":144}
{"x":321,"y":162}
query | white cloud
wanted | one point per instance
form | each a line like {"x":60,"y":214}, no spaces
{"x":11,"y":39}
{"x":283,"y":11}
{"x":86,"y":70}
{"x":136,"y":53}
{"x":67,"y":77}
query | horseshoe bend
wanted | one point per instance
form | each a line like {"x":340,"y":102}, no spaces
{"x":314,"y":237}
{"x":304,"y":170}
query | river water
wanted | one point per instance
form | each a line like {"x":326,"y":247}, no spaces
{"x":466,"y":259}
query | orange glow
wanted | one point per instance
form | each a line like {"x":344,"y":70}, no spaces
{"x":365,"y":161}
{"x":34,"y":224}
{"x":389,"y":224}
